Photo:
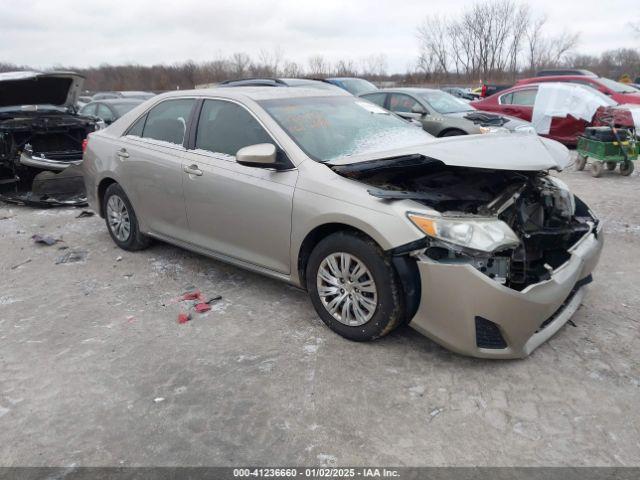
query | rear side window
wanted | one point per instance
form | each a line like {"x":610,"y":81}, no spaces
{"x":377,"y":98}
{"x":168,"y":121}
{"x":136,"y":128}
{"x":524,"y":97}
{"x":226,"y":127}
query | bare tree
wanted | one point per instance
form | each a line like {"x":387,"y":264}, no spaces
{"x":292,"y":69}
{"x":374,"y":65}
{"x":434,"y":45}
{"x":345,"y":68}
{"x":318,"y":66}
{"x":240,"y":62}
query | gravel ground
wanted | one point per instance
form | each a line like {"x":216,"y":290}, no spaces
{"x":95,"y":370}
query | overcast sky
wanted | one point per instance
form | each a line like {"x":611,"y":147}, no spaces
{"x":45,"y":33}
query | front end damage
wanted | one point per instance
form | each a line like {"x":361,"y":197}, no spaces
{"x":35,"y":144}
{"x":41,"y":138}
{"x":504,"y":300}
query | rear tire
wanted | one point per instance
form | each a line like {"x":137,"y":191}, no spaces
{"x":337,"y":267}
{"x":597,"y":168}
{"x":581,"y":162}
{"x":121,"y":220}
{"x":626,"y":168}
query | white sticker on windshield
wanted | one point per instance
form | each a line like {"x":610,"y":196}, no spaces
{"x":370,"y":107}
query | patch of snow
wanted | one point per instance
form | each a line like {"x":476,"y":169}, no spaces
{"x":327,"y":460}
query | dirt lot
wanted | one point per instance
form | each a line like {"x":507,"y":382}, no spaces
{"x":95,"y":370}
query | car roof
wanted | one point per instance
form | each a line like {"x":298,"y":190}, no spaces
{"x":554,"y":72}
{"x":257,"y":93}
{"x":558,"y":78}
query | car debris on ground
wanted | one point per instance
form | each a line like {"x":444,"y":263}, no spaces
{"x":72,"y":256}
{"x":48,"y":240}
{"x":200,"y":303}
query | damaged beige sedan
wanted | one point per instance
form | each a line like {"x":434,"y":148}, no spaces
{"x":469,"y":240}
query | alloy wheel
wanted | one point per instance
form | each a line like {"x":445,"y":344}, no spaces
{"x":347,"y":289}
{"x":118,"y":217}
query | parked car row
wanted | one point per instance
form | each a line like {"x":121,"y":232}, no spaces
{"x":382,"y":223}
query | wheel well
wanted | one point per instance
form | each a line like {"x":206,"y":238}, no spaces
{"x":102,"y":188}
{"x":405,"y":267}
{"x":449,"y":130}
{"x":313,"y":238}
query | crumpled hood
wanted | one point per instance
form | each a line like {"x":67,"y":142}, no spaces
{"x":510,"y":122}
{"x":514,"y":151}
{"x":39,"y":88}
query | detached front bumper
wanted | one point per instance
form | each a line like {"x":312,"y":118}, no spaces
{"x":469,"y":313}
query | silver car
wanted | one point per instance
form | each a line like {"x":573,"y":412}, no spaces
{"x":468,"y":240}
{"x":443,"y":115}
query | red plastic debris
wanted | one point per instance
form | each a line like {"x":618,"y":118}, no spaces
{"x":195,"y":295}
{"x":184,"y":318}
{"x":202,"y":307}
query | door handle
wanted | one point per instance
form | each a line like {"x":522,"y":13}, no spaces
{"x":122,"y":153}
{"x":193,"y":170}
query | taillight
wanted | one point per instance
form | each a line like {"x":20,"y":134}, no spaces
{"x":85,"y":142}
{"x":483,"y":92}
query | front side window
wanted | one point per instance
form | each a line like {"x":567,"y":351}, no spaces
{"x":167,"y":121}
{"x":328,"y":128}
{"x":401,"y":103}
{"x":226,"y":127}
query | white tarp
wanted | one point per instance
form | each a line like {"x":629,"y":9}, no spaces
{"x":562,"y":99}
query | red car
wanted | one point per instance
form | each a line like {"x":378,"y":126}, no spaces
{"x":518,"y":102}
{"x":619,"y":92}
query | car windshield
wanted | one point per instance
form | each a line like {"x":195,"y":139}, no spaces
{"x":327,"y":128}
{"x":443,"y":102}
{"x":358,"y":86}
{"x":617,"y":86}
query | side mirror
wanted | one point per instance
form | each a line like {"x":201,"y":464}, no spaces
{"x":260,"y":155}
{"x":419,"y":109}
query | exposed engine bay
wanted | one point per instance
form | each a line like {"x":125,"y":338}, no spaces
{"x":547,"y":219}
{"x":33,"y":142}
{"x":41,"y":138}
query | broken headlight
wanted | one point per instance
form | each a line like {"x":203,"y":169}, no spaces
{"x":483,"y":234}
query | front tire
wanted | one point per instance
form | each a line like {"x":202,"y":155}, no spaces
{"x":354,"y":287}
{"x":121,"y":220}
